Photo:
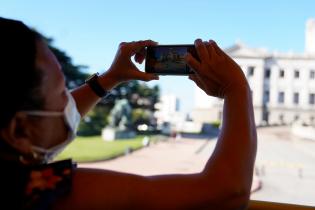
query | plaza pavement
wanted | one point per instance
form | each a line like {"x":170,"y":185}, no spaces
{"x":286,"y":166}
{"x":285,"y":169}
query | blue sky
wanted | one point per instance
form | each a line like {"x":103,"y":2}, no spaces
{"x":90,"y":31}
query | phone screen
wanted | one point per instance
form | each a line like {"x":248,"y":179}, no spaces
{"x":169,"y":59}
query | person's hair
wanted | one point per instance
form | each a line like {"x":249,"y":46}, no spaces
{"x":20,"y":79}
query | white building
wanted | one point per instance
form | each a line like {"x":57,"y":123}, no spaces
{"x":282,"y":84}
{"x":169,"y":118}
{"x":168,"y":109}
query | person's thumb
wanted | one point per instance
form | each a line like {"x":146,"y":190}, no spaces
{"x":146,"y":76}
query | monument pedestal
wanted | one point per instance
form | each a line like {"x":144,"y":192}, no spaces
{"x":111,"y":134}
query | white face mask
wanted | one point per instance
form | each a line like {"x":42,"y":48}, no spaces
{"x":72,"y":119}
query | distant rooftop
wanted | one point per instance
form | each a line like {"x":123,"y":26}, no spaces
{"x":241,"y":50}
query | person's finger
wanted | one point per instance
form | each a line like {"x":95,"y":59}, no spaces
{"x":211,"y":51}
{"x":217,"y":49}
{"x":140,"y":56}
{"x":193,"y":77}
{"x":210,"y":87}
{"x":208,"y":45}
{"x":197,"y":79}
{"x":122,"y":44}
{"x":145,"y":76}
{"x":192,"y":62}
{"x":138,"y":46}
{"x":198,"y":82}
{"x":201,"y":50}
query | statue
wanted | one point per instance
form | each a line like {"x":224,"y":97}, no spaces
{"x":120,"y":115}
{"x":119,"y":122}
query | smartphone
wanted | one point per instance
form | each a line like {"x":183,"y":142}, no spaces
{"x":169,"y":59}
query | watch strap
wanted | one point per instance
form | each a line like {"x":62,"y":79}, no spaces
{"x":96,"y":86}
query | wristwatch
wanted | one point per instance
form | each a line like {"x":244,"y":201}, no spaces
{"x":95,"y":85}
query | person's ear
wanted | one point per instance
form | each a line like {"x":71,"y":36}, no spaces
{"x":18,"y":133}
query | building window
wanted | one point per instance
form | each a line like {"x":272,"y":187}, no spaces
{"x":312,"y":74}
{"x":266,"y":96}
{"x":296,"y":98}
{"x":312,"y":98}
{"x":177,"y":104}
{"x":267,"y":73}
{"x":281,"y":97}
{"x":281,"y":73}
{"x":312,"y":119}
{"x":250,"y":71}
{"x":296,"y":117}
{"x":296,"y":74}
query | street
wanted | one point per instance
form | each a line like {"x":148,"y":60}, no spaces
{"x":284,"y":164}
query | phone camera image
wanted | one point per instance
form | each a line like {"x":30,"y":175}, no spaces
{"x":168,"y":59}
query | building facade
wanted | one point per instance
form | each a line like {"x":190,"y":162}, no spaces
{"x":282,"y":84}
{"x":168,"y":109}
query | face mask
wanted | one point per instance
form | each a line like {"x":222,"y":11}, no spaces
{"x":72,"y":119}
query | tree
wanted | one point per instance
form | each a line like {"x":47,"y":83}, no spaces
{"x":142,"y":99}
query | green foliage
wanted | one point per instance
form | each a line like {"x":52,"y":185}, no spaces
{"x":216,"y":124}
{"x":140,"y":116}
{"x":94,"y":121}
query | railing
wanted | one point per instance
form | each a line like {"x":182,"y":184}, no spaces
{"x":262,"y":205}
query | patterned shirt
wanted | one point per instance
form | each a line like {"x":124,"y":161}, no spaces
{"x":34,"y":187}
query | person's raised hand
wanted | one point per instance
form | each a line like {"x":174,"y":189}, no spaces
{"x":216,"y":73}
{"x":123,"y":69}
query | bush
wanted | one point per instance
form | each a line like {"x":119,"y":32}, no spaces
{"x":216,"y":124}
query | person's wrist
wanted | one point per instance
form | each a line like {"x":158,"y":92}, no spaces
{"x":237,"y":90}
{"x":107,"y":81}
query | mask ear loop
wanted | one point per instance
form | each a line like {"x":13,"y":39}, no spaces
{"x":45,"y":113}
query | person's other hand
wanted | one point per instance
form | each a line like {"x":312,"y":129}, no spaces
{"x":123,"y":69}
{"x":216,"y":73}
